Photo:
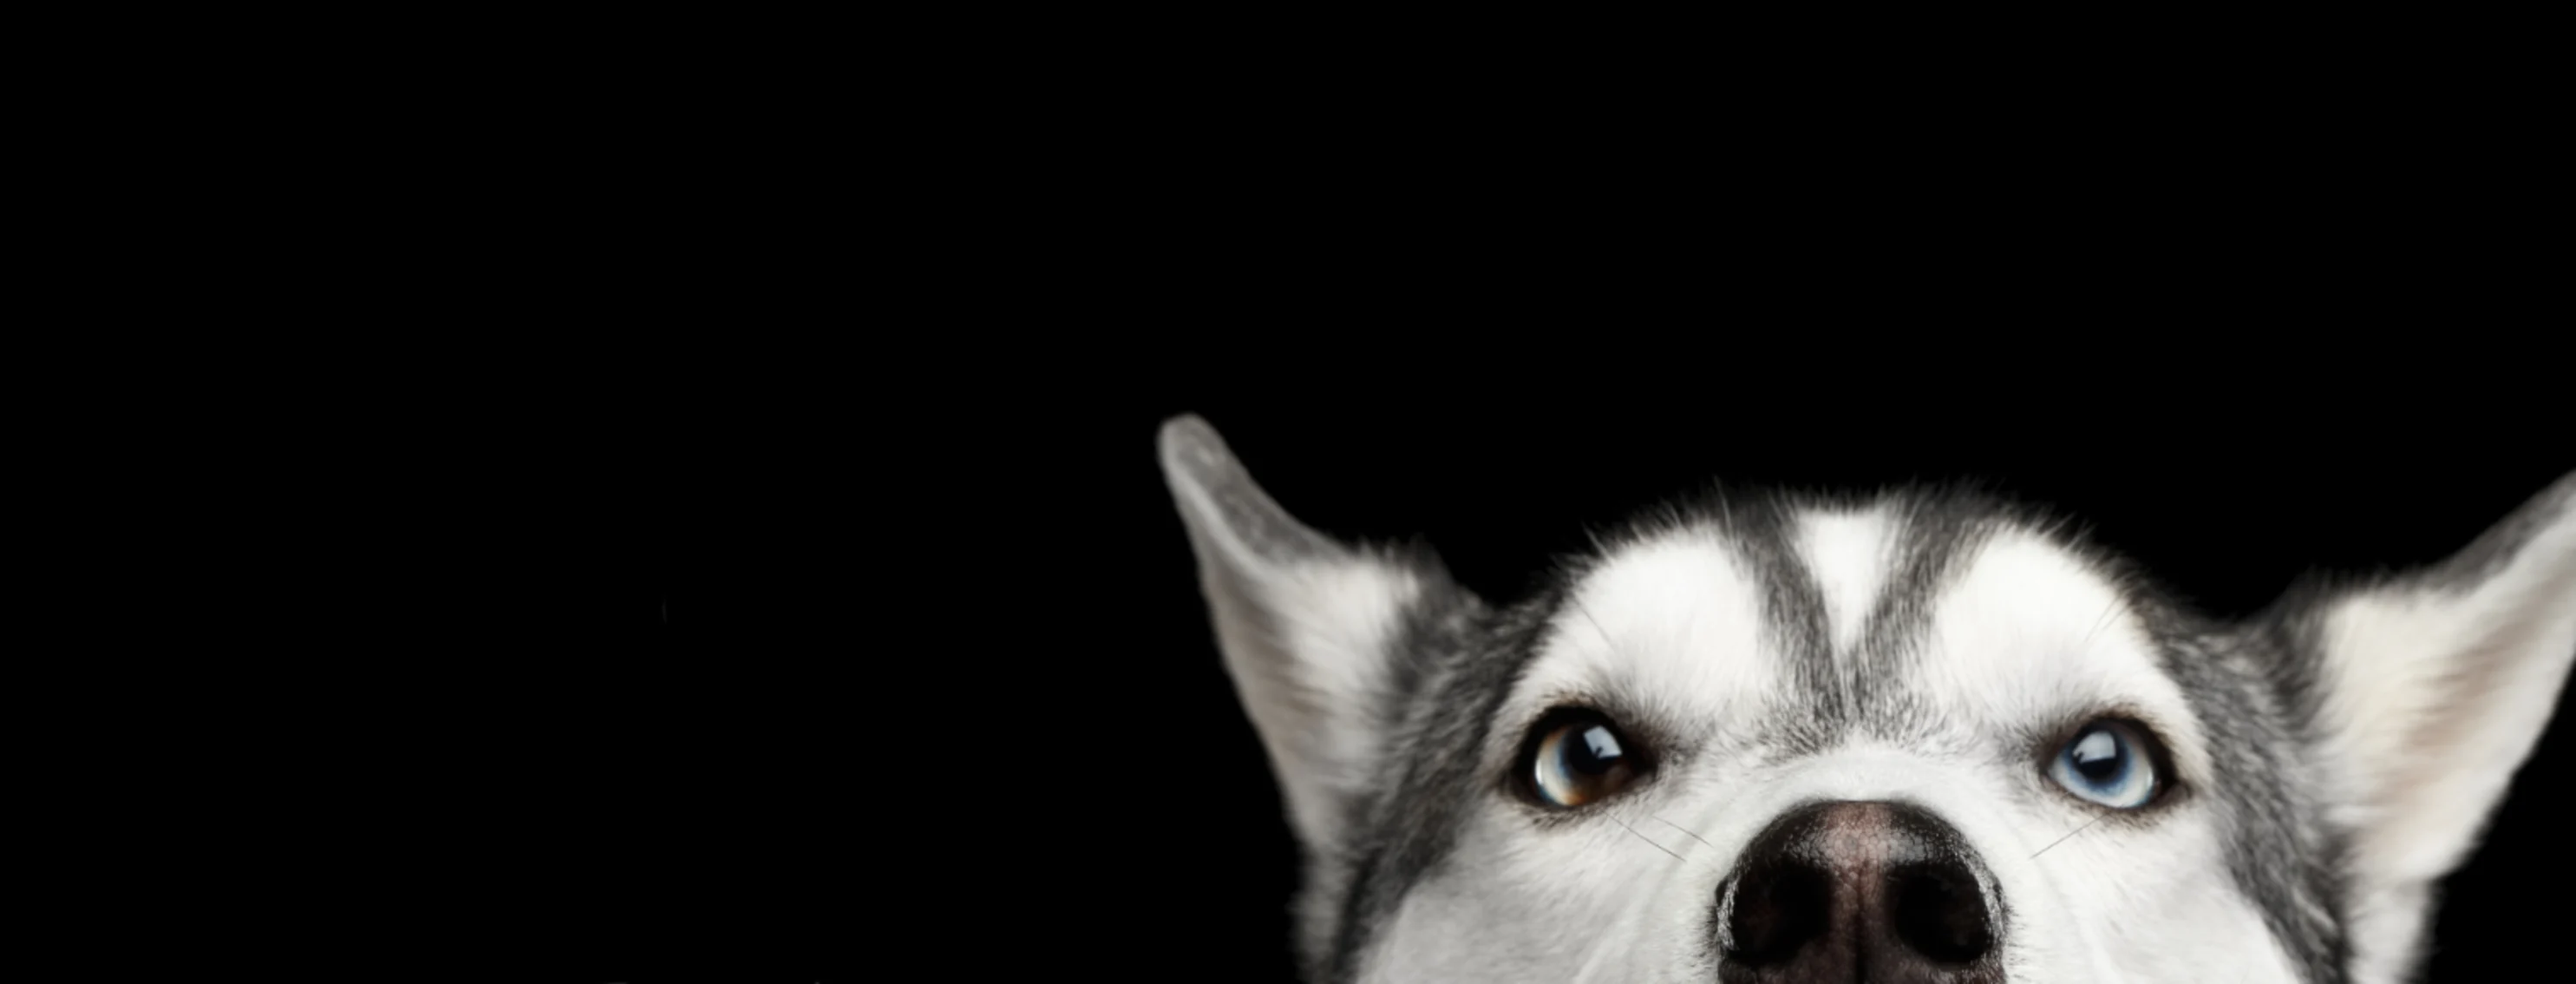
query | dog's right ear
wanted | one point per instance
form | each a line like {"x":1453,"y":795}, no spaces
{"x":2427,"y":691}
{"x":1312,"y":631}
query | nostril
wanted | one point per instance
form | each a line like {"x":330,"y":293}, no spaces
{"x":1778,"y":908}
{"x":1940,"y":914}
{"x":1851,"y":891}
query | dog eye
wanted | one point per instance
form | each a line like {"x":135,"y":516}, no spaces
{"x":2108,"y":763}
{"x":1578,"y":758}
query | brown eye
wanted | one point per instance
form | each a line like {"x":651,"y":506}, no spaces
{"x":1579,"y":758}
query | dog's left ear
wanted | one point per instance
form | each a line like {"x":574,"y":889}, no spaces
{"x":2431,"y":689}
{"x":1319,"y":637}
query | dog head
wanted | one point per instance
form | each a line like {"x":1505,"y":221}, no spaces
{"x":1916,"y":738}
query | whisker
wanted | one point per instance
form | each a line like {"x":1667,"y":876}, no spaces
{"x":2097,"y":818}
{"x":2117,"y":604}
{"x":1587,"y":616}
{"x":1686,"y":832}
{"x":1623,"y":825}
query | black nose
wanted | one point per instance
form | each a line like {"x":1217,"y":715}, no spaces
{"x":1837,"y":892}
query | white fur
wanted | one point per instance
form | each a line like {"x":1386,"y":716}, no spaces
{"x":1304,"y":633}
{"x":1673,"y":624}
{"x":1848,"y":553}
{"x":1316,"y":718}
{"x":2433,"y":693}
{"x":2436,"y":694}
{"x":2029,"y":633}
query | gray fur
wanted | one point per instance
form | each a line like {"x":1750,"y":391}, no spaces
{"x":2253,"y":688}
{"x":1469,"y":663}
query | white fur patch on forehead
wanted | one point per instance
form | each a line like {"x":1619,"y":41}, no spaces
{"x":1848,"y":554}
{"x":1670,"y":627}
{"x":2029,"y":632}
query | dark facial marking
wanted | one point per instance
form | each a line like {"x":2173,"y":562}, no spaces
{"x":1468,"y":667}
{"x":2249,"y":691}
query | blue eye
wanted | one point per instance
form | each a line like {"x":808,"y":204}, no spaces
{"x":1578,"y":758}
{"x":2107,"y":763}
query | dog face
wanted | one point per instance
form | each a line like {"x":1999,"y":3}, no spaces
{"x":1916,"y":738}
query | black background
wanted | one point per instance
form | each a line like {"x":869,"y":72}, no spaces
{"x":925,"y":689}
{"x":936,"y":685}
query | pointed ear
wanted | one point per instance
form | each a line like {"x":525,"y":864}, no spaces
{"x":1313,"y":632}
{"x":2433,"y":688}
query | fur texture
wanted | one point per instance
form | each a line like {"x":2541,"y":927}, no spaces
{"x":2329,"y":760}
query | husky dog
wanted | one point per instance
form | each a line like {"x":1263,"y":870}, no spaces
{"x":1916,"y":738}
